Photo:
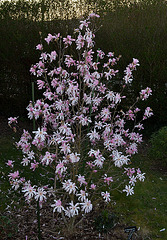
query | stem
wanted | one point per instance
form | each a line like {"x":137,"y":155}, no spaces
{"x":38,"y":208}
{"x":33,"y":101}
{"x":38,"y":218}
{"x":90,"y":111}
{"x":55,"y":168}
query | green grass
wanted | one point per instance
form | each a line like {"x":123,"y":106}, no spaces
{"x":8,"y":198}
{"x":146,"y":209}
{"x":7,"y":152}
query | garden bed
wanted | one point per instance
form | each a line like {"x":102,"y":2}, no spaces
{"x":22,"y":222}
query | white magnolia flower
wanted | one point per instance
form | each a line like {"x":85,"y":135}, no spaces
{"x":57,"y":206}
{"x":31,"y":155}
{"x":69,"y":186}
{"x":74,"y":157}
{"x":93,"y":135}
{"x":99,"y":162}
{"x":60,"y":168}
{"x":141,"y":176}
{"x":74,"y":208}
{"x":81,"y":180}
{"x":106,"y":196}
{"x":15,"y":183}
{"x":86,"y":206}
{"x":40,"y":134}
{"x":129,"y":190}
{"x":29,"y":191}
{"x":82,"y":195}
{"x":40,"y":194}
{"x":25,"y":161}
{"x":132,"y":180}
{"x":119,"y":159}
{"x":47,"y":159}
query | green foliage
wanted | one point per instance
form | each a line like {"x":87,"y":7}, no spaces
{"x":105,"y":221}
{"x":158,"y":149}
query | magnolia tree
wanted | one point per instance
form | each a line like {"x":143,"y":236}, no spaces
{"x":83,"y":133}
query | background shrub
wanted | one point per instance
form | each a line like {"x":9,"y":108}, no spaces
{"x":158,"y":149}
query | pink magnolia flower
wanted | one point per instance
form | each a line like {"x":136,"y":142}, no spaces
{"x":130,"y":115}
{"x":69,"y":61}
{"x":14,"y":175}
{"x":93,"y":186}
{"x":129,"y":171}
{"x":50,"y":37}
{"x":110,"y":54}
{"x":10,"y":163}
{"x":65,"y":148}
{"x":83,"y":24}
{"x":47,"y":159}
{"x":107,"y":179}
{"x":93,"y":135}
{"x":80,"y":42}
{"x":148,"y":113}
{"x":74,"y":158}
{"x":33,"y":70}
{"x":93,"y":15}
{"x":12,"y":120}
{"x":135,"y":62}
{"x":39,"y":47}
{"x":100,"y":54}
{"x":34,"y":165}
{"x":41,"y":84}
{"x":60,"y":168}
{"x":81,"y":180}
{"x":53,"y":56}
{"x":68,"y":40}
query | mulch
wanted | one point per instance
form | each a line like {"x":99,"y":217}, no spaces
{"x":23,"y":225}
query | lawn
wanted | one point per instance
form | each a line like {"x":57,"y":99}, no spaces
{"x":146,"y":209}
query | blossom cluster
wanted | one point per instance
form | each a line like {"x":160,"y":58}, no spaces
{"x":83,"y":130}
